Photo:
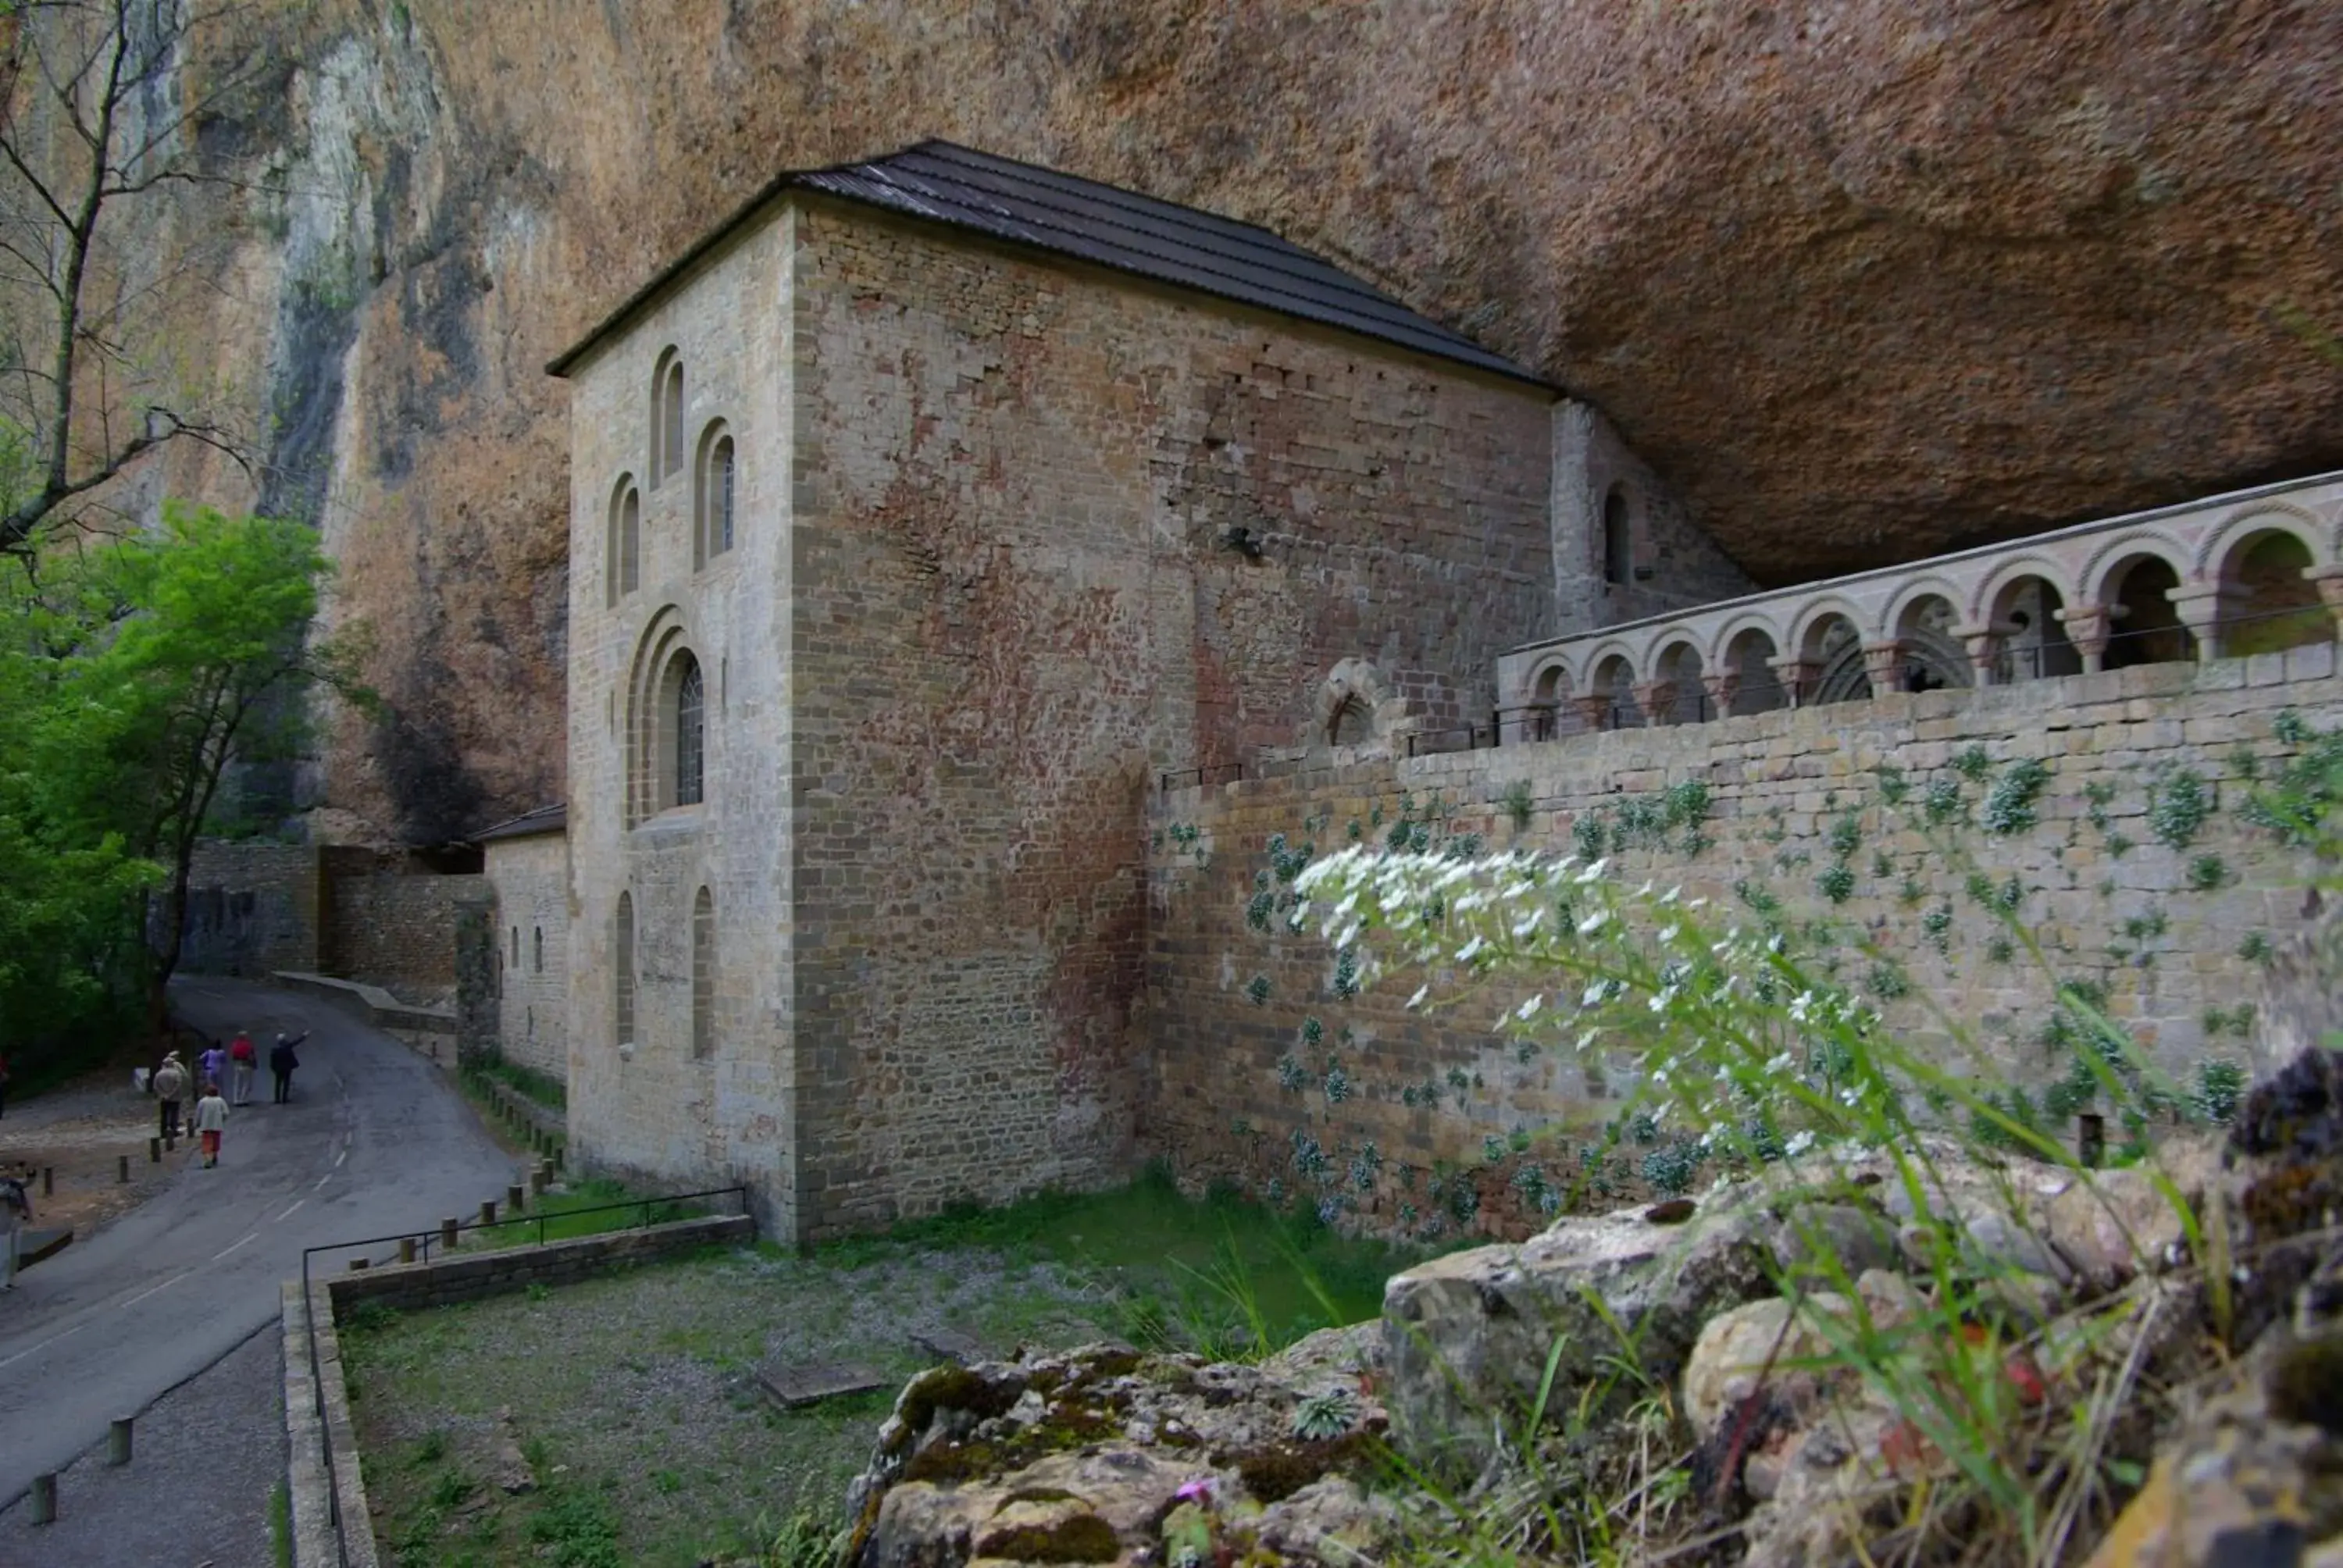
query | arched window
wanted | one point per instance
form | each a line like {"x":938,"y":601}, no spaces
{"x":622,"y":966}
{"x":622,"y":570}
{"x":667,"y":417}
{"x":690,"y":734}
{"x":1618,"y":539}
{"x":536,"y":945}
{"x":1352,"y":726}
{"x":713,"y":496}
{"x":703,"y":976}
{"x":516,"y":941}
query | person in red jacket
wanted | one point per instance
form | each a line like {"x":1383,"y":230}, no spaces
{"x":242,"y":1057}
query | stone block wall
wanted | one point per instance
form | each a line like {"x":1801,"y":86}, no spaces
{"x":661,"y":1110}
{"x":390,"y":925}
{"x":252,"y":909}
{"x":2168,"y":931}
{"x":469,"y":1276}
{"x":1054,"y":530}
{"x":1673,"y":564}
{"x":528,"y":880}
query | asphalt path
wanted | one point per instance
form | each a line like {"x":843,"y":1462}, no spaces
{"x":376,"y":1141}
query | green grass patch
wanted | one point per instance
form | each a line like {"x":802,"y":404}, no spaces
{"x":585,"y":1209}
{"x":542,"y":1087}
{"x":634,"y":1396}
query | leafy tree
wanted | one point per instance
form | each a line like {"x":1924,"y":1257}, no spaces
{"x":144,"y":666}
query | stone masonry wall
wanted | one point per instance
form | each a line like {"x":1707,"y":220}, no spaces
{"x":469,"y":1276}
{"x":1016,"y":601}
{"x":661,"y":1110}
{"x":1673,"y":564}
{"x":530,"y":880}
{"x":393,"y":928}
{"x":2173,"y":933}
{"x":252,"y":909}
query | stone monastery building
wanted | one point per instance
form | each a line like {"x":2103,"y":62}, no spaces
{"x":923,"y":515}
{"x":935,"y":515}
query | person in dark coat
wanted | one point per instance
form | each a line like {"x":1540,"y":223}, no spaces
{"x":282,"y":1062}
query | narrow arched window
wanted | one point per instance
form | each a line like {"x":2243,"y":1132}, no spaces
{"x":515,"y":945}
{"x":665,"y":416}
{"x":719,"y":486}
{"x":1618,"y":539}
{"x":622,"y":542}
{"x":536,"y":948}
{"x":690,"y":735}
{"x":622,"y":966}
{"x":703,"y":976}
{"x":630,"y":541}
{"x":671,"y":420}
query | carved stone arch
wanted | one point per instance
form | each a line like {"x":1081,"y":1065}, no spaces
{"x":1595,"y":665}
{"x":1720,"y":646}
{"x":2119,"y":554}
{"x":654,"y":678}
{"x":2005,"y":575}
{"x":1355,"y":708}
{"x":1813,"y":614}
{"x":1891,"y":624}
{"x":1549,"y":681}
{"x":2263,"y":518}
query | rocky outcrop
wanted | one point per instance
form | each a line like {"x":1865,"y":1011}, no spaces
{"x":1862,"y":282}
{"x":1105,"y":1455}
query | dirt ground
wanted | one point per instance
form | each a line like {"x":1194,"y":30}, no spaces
{"x":78,"y":1133}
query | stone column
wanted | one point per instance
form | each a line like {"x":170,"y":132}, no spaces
{"x":2202,"y":610}
{"x":1724,"y":688}
{"x":2329,"y":583}
{"x":1983,"y":645}
{"x":2087,"y":626}
{"x":1657,"y":698}
{"x":1883,"y":666}
{"x":1798,"y":677}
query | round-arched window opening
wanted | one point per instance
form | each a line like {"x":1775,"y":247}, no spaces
{"x":690,"y":733}
{"x":1352,"y":725}
{"x":1618,"y":539}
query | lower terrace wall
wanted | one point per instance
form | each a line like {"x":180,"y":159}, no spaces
{"x":1397,"y":1139}
{"x":252,"y":909}
{"x":392,"y":925}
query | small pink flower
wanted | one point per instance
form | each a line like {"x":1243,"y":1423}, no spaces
{"x":1199,"y":1491}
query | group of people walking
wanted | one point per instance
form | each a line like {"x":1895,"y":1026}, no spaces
{"x":232,"y":1064}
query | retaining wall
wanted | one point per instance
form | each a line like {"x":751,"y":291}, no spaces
{"x":1786,"y":792}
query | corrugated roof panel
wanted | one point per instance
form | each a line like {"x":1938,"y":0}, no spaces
{"x":1107,"y":225}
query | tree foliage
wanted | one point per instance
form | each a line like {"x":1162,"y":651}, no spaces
{"x":135,"y":670}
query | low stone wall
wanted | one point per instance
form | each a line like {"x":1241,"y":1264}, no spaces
{"x":2168,"y":904}
{"x":471,"y":1275}
{"x":332,"y":1527}
{"x":380,"y":1009}
{"x":538,"y":1118}
{"x":392,"y":925}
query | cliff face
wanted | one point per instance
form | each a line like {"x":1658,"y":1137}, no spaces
{"x":1862,"y":280}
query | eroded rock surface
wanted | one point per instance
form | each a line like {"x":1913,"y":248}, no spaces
{"x":1863,"y":281}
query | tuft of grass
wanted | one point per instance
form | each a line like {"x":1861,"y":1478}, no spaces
{"x":280,"y":1524}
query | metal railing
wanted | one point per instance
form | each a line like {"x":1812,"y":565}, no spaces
{"x":423,"y":1242}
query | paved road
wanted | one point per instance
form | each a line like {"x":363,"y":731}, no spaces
{"x":375,"y":1142}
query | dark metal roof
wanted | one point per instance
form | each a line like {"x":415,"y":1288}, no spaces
{"x":947,"y":183}
{"x":544,"y":820}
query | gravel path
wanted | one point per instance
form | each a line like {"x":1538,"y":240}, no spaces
{"x":208,"y":1460}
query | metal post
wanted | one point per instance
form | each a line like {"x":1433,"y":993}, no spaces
{"x":448,"y":1232}
{"x":45,"y":1499}
{"x":117,"y":1441}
